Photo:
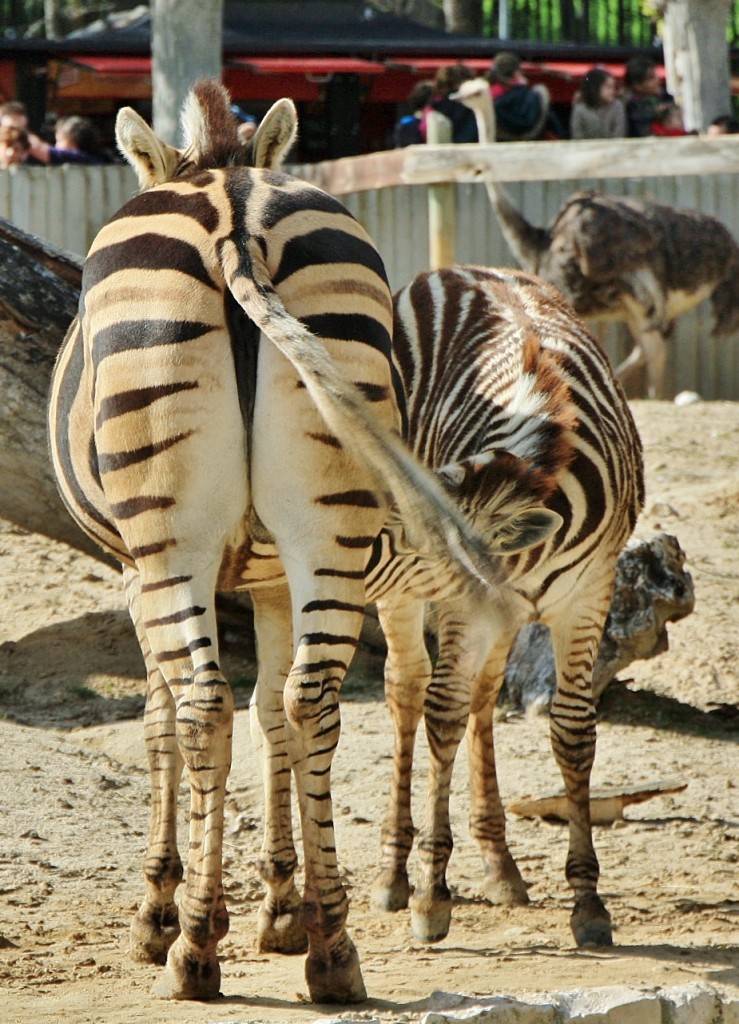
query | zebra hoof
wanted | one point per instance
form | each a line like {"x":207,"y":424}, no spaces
{"x":188,"y":977}
{"x":591,"y":922}
{"x":431,"y":917}
{"x":281,"y":932}
{"x":391,"y":891}
{"x":337,"y":980}
{"x":152,"y":934}
{"x":505,"y":887}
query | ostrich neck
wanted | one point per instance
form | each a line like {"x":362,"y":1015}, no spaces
{"x":485,"y":122}
{"x":485,"y":117}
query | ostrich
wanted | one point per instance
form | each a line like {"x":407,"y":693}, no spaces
{"x":621,"y":259}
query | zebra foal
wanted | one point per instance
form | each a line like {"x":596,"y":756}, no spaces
{"x":207,"y":459}
{"x":507,"y":394}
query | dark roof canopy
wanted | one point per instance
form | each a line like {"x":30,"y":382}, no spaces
{"x":317,"y":27}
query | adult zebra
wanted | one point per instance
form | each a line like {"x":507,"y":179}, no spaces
{"x":200,"y":472}
{"x":505,"y":389}
{"x":516,"y":405}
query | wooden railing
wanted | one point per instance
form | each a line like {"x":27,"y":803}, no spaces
{"x":597,"y":159}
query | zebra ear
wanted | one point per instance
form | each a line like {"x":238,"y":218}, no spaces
{"x":452,"y":476}
{"x":275,"y":135}
{"x":153,"y":160}
{"x":525,"y":530}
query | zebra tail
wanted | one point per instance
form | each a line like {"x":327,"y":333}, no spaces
{"x":431,"y":518}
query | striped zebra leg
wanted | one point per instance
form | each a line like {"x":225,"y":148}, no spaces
{"x":328,"y":623}
{"x":279,"y":927}
{"x":446,"y":711}
{"x":576,"y":637}
{"x":185,"y":645}
{"x":156,"y":924}
{"x":503,"y":884}
{"x":407,"y":675}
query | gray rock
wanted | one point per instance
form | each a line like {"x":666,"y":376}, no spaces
{"x":652,"y":588}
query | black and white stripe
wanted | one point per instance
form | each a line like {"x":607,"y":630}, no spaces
{"x":207,"y":459}
{"x":515,"y":403}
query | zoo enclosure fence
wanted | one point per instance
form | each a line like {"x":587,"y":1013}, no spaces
{"x":67,"y":205}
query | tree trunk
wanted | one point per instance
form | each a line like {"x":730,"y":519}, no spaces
{"x":39,"y":290}
{"x":697,"y":58}
{"x":186,"y":45}
{"x":464,"y":16}
{"x":52,"y":19}
{"x":427,"y":12}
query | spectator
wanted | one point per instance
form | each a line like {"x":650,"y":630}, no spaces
{"x":597,"y":112}
{"x":76,"y":142}
{"x":409,"y":129}
{"x":669,"y":122}
{"x":447,"y":80}
{"x":647,"y":100}
{"x":521,"y":110}
{"x":15,"y":146}
{"x":247,"y":129}
{"x":725,"y":124}
{"x":15,"y":114}
{"x":248,"y":124}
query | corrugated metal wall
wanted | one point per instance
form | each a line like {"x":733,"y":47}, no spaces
{"x":66,"y":205}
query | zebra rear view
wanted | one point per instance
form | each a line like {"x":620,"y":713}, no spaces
{"x":507,"y":393}
{"x":199,"y":474}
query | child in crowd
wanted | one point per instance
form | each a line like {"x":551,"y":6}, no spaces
{"x":647,"y":100}
{"x":597,"y":112}
{"x":521,"y":110}
{"x":669,"y":122}
{"x":724,"y":124}
{"x":76,"y":141}
{"x":408,"y":130}
{"x":447,"y":80}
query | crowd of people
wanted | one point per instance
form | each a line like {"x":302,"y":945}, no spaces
{"x":600,"y":108}
{"x":76,"y":140}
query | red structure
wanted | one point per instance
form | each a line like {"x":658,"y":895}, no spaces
{"x":348,"y":66}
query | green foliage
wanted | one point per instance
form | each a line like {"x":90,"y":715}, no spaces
{"x":608,"y":22}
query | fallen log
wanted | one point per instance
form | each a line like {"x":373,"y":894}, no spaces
{"x":606,"y":804}
{"x":39,"y":291}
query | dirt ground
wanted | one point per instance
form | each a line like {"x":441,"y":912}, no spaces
{"x":74,"y":797}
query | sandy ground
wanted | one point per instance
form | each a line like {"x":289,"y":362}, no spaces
{"x":74,"y":797}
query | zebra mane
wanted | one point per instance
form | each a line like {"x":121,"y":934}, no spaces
{"x":556,"y":414}
{"x":210,"y":130}
{"x":209,"y":127}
